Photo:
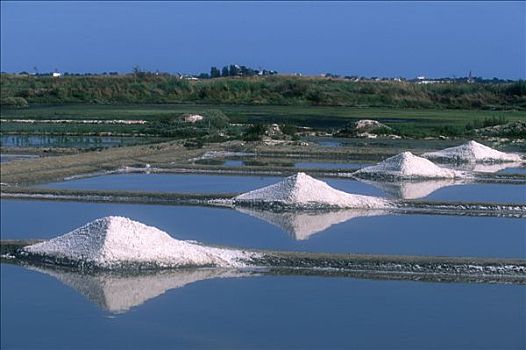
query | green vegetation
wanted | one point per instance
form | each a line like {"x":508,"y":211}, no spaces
{"x":71,"y":129}
{"x":411,"y":110}
{"x":14,"y":102}
{"x":405,"y":122}
{"x":486,"y":122}
{"x":255,"y":132}
{"x":271,"y":90}
{"x":175,"y":126}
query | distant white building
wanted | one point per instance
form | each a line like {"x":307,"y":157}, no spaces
{"x":428,"y":82}
{"x":470,"y":80}
{"x":56,"y":75}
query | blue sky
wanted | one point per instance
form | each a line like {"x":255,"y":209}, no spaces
{"x":351,"y":38}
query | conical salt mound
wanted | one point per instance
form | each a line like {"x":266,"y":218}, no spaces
{"x":116,"y":242}
{"x":472,"y":152}
{"x":303,"y":191}
{"x":407,"y":166}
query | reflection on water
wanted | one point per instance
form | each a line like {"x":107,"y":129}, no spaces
{"x":329,"y":165}
{"x":198,"y":183}
{"x":233,"y":163}
{"x":302,"y":225}
{"x":412,"y":189}
{"x":386,"y":234}
{"x":69,"y":141}
{"x":305,"y":165}
{"x":119,"y":292}
{"x":195,"y":183}
{"x":451,"y":190}
{"x":4,"y":158}
{"x":268,"y":312}
{"x":512,"y":167}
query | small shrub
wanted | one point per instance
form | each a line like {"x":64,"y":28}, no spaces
{"x":215,"y":119}
{"x":193,"y":144}
{"x":14,"y":102}
{"x":288,"y":129}
{"x":486,"y":122}
{"x":255,"y":132}
{"x":517,"y":89}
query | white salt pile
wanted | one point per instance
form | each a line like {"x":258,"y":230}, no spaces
{"x":369,"y":125}
{"x":472,"y":152}
{"x":408,"y":166}
{"x":220,"y":154}
{"x":304,"y":192}
{"x":113,"y":242}
{"x":366,"y":128}
{"x":192,"y":118}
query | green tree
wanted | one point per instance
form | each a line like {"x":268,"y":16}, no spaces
{"x":233,"y":70}
{"x":214,"y":72}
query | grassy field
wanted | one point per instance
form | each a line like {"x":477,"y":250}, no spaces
{"x":21,"y":91}
{"x":411,"y":121}
{"x":451,"y":108}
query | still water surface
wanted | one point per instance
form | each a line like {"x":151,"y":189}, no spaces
{"x":306,"y":165}
{"x":329,"y":165}
{"x":68,"y":141}
{"x":342,"y":232}
{"x":201,"y":310}
{"x":38,"y":311}
{"x":441,"y":190}
{"x":4,"y":158}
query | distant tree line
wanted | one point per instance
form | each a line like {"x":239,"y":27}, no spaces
{"x":235,"y":70}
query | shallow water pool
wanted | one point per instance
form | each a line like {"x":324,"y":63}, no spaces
{"x":442,"y":190}
{"x":307,"y":165}
{"x":194,"y":183}
{"x":5,"y":158}
{"x":514,"y":170}
{"x":69,"y":141}
{"x":342,"y":232}
{"x":329,"y":165}
{"x":40,"y":311}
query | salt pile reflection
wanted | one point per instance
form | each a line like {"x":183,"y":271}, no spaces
{"x":413,"y":189}
{"x":119,"y":292}
{"x":485,"y":167}
{"x":301,"y":225}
